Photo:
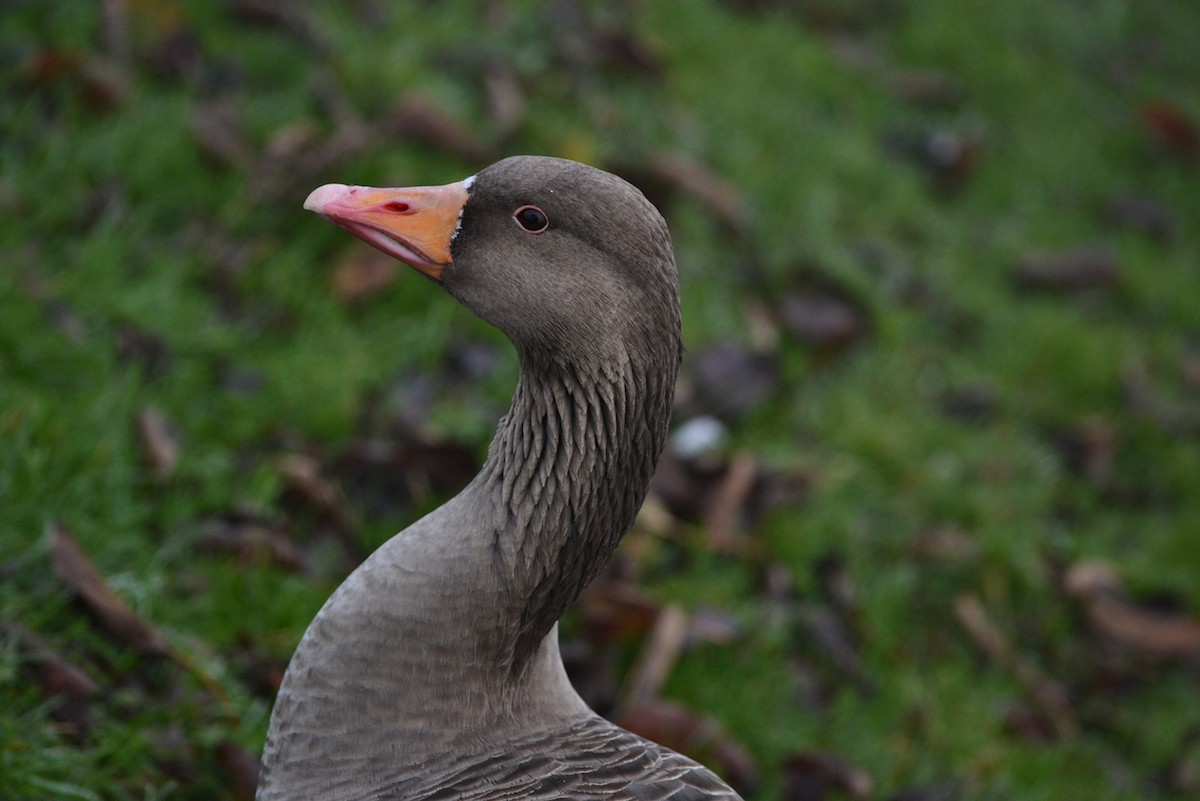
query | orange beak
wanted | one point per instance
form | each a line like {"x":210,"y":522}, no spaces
{"x":413,"y":225}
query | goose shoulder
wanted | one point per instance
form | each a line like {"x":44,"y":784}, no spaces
{"x":591,"y":759}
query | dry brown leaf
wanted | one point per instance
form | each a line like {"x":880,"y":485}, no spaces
{"x":240,"y":768}
{"x":505,"y":98}
{"x":253,"y":541}
{"x":1088,"y":449}
{"x":1069,"y":270}
{"x":104,"y":84}
{"x":973,"y":403}
{"x":684,"y":487}
{"x":821,"y":320}
{"x":835,"y":639}
{"x":1147,"y":400}
{"x":724,"y":201}
{"x":70,"y":688}
{"x":658,"y":656}
{"x":712,"y":626}
{"x":1172,"y":128}
{"x":302,"y":475}
{"x":1096,"y":586}
{"x":419,"y":118}
{"x":819,"y":775}
{"x":947,"y":543}
{"x":1049,"y":694}
{"x":616,"y":611}
{"x":291,"y":17}
{"x":159,"y":441}
{"x":950,"y":157}
{"x":218,"y":130}
{"x":924,"y":87}
{"x":1147,"y":215}
{"x":77,"y":572}
{"x":592,"y":674}
{"x":731,"y":380}
{"x":363,"y":273}
{"x":1189,"y":368}
{"x":382,"y":475}
{"x":727,"y":501}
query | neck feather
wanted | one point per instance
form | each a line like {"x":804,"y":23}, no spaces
{"x":568,"y":469}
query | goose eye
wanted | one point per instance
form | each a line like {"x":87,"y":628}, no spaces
{"x":532,"y":219}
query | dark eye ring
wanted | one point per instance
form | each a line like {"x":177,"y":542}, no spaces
{"x":531,"y":219}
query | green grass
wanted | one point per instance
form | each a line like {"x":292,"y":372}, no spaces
{"x":120,"y":235}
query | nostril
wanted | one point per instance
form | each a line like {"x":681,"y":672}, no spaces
{"x":396,"y":206}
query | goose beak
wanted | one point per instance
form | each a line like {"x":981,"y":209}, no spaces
{"x":415,"y":225}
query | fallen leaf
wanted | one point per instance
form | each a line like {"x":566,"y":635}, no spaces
{"x":81,"y":577}
{"x":334,"y":102}
{"x":731,"y":380}
{"x":1171,"y":128}
{"x":838,"y":587}
{"x":261,"y":670}
{"x":174,"y":754}
{"x":177,"y":54}
{"x":626,"y":50}
{"x":949,"y":157}
{"x":252,"y":541}
{"x":381,"y":474}
{"x":927,"y":88}
{"x":363,"y":273}
{"x":616,"y":612}
{"x":658,"y":655}
{"x":471,"y":361}
{"x":1050,"y":696}
{"x":68,"y":321}
{"x":103,"y":83}
{"x":712,"y":626}
{"x":1140,"y":213}
{"x":675,"y":726}
{"x":69,"y":688}
{"x":505,"y":98}
{"x":942,"y":792}
{"x":1088,"y":449}
{"x":1145,"y":399}
{"x":592,"y":674}
{"x":974,"y":403}
{"x":159,"y":441}
{"x":1189,"y":368}
{"x":1110,"y":612}
{"x":291,"y":17}
{"x":822,"y":320}
{"x":724,"y":201}
{"x":726,"y":503}
{"x":730,"y":496}
{"x":587,"y":40}
{"x":1183,"y":772}
{"x":946,"y":543}
{"x":290,"y":167}
{"x":1069,"y":270}
{"x":820,"y":775}
{"x":302,"y":474}
{"x":240,"y":768}
{"x":218,"y":129}
{"x":1030,"y":723}
{"x":419,"y":118}
{"x":684,"y":486}
{"x":835,"y":640}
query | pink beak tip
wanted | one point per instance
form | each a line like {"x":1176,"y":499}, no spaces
{"x":322,"y":196}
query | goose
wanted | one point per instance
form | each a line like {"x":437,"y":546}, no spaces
{"x":433,"y":671}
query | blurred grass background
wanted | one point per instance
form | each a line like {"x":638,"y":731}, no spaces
{"x":997,"y":203}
